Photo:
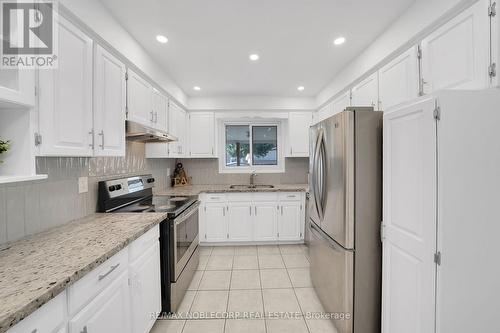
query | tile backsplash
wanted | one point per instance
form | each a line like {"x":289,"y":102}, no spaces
{"x":31,"y":207}
{"x":206,"y":172}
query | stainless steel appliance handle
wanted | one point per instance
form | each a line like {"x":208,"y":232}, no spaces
{"x":188,"y":213}
{"x":314,"y":177}
{"x":316,"y":231}
{"x":319,"y":177}
{"x":324,"y":175}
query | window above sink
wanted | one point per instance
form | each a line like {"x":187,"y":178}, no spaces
{"x":251,"y":147}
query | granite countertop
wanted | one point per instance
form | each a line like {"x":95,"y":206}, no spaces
{"x":36,"y":269}
{"x":197,"y":189}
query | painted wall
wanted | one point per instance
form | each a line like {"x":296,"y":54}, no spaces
{"x":31,"y":207}
{"x":93,"y":14}
{"x":421,"y":18}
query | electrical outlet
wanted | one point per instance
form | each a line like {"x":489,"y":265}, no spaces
{"x":83,"y":185}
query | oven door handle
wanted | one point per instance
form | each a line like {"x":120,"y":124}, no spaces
{"x":185,"y":215}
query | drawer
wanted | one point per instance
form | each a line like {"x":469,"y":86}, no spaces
{"x":143,"y":243}
{"x":214,"y":197}
{"x":290,"y":196}
{"x":84,"y":290}
{"x":240,"y":197}
{"x":49,"y":318}
{"x":266,"y":197}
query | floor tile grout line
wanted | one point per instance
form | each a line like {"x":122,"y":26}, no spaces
{"x":262,"y":293}
{"x":298,"y":302}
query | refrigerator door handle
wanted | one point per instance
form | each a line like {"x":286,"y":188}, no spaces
{"x":324,"y":174}
{"x":331,"y":243}
{"x":315,"y":175}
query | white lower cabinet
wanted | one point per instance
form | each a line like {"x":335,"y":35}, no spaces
{"x":254,"y":217}
{"x":123,"y":294}
{"x":266,"y":221}
{"x":50,"y":318}
{"x":240,"y":226}
{"x":108,"y":312}
{"x":145,"y":284}
{"x":289,"y":221}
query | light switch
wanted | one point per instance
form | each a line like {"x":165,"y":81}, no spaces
{"x":83,"y":185}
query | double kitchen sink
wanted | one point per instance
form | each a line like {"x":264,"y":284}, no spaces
{"x":244,"y":187}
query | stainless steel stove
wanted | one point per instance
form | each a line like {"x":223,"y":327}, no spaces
{"x":178,"y":232}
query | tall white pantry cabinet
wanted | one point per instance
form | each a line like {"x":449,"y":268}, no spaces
{"x":440,"y":224}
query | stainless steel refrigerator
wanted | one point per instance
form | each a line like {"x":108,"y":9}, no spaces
{"x":345,"y":210}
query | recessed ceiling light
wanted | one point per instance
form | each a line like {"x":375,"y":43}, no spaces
{"x":162,"y":39}
{"x":196,"y":88}
{"x":339,"y":41}
{"x":301,"y":88}
{"x":254,"y":57}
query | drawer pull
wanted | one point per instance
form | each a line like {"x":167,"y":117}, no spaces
{"x":35,"y":330}
{"x":291,"y":196}
{"x":215,"y":198}
{"x":102,"y":277}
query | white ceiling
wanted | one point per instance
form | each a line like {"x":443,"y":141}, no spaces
{"x":210,"y":41}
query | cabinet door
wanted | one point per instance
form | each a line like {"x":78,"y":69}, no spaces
{"x":324,"y":112}
{"x":341,"y":103}
{"x":17,"y":86}
{"x":139,"y":101}
{"x":108,"y":312}
{"x":409,"y":227}
{"x":215,"y":222}
{"x":65,"y":100}
{"x":398,"y":80}
{"x":109,"y":104}
{"x":298,"y":133}
{"x":289,"y":221}
{"x":201,"y":134}
{"x":266,"y":221}
{"x":239,"y":221}
{"x":159,"y":110}
{"x":456,"y":56}
{"x":177,"y":123}
{"x":366,"y":92}
{"x":145,"y":289}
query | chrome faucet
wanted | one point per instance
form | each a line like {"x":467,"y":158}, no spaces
{"x":252,"y":178}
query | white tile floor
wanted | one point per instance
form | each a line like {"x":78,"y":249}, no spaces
{"x":263,"y":289}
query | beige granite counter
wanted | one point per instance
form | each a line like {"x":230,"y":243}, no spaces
{"x":34,"y":270}
{"x":197,"y":189}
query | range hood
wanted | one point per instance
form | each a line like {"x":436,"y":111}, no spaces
{"x":141,"y":133}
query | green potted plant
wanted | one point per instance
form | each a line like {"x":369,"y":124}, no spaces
{"x":4,"y":147}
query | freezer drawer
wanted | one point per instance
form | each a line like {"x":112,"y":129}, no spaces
{"x":332,"y":275}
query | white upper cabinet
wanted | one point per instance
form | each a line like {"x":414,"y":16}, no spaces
{"x":178,"y":128}
{"x":323,"y":113}
{"x":159,"y":108}
{"x":341,"y":103}
{"x":298,"y":133}
{"x":139,"y":103}
{"x":202,"y":134}
{"x":398,"y":80}
{"x":17,"y":86}
{"x":365,"y":93}
{"x":109,"y":104}
{"x":456,"y":56}
{"x":65,"y":97}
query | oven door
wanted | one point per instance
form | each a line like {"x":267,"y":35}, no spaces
{"x":183,"y":240}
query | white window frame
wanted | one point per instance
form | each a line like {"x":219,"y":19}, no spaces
{"x":279,"y":168}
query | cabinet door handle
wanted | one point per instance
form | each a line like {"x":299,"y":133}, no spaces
{"x":250,"y":210}
{"x":152,"y":116}
{"x":223,"y":211}
{"x":102,"y":139}
{"x":255,"y":210}
{"x":102,"y":276}
{"x":156,"y":117}
{"x":281,"y":210}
